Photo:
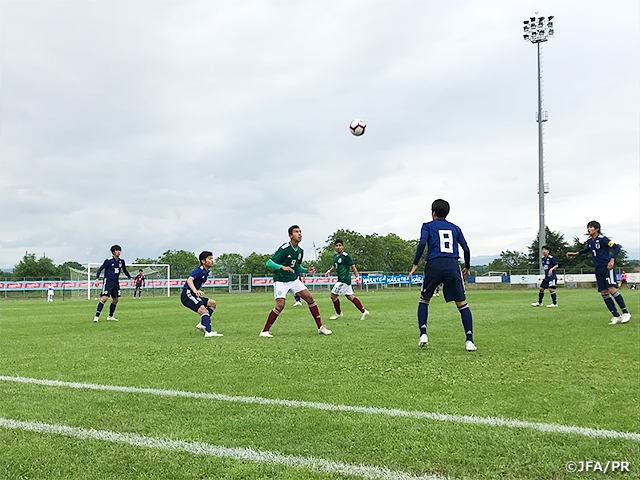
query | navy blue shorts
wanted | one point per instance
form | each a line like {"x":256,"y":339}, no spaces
{"x":549,"y":282}
{"x":606,"y":278}
{"x":192,"y":301}
{"x":445,"y":271}
{"x":110,"y":288}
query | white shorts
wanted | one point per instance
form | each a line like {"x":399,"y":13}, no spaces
{"x":342,"y":289}
{"x":280,"y":289}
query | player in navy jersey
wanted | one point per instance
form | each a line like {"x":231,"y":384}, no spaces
{"x":441,"y":238}
{"x":111,"y":288}
{"x":193,"y":298}
{"x":550,"y":279}
{"x":603,"y":260}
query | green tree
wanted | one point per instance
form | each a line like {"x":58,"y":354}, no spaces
{"x":558,"y":247}
{"x":145,"y":260}
{"x":397,"y":254}
{"x":255,"y":264}
{"x":354,"y":245}
{"x":227,"y":264}
{"x":30,"y":267}
{"x":66,"y":266}
{"x":181,"y":262}
{"x":509,"y":260}
{"x":389,"y":253}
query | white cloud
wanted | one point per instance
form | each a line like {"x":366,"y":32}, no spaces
{"x":162,"y":125}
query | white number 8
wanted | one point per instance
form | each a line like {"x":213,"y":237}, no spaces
{"x":446,"y":241}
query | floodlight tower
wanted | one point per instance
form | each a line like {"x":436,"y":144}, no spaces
{"x":538,"y":30}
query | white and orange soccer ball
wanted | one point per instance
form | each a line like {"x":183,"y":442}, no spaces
{"x":357,"y":126}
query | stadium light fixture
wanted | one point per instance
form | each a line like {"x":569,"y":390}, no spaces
{"x":539,"y":33}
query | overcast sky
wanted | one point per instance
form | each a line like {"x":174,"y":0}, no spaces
{"x":217,"y":124}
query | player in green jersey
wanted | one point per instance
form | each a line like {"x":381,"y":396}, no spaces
{"x":286,"y":263}
{"x":343,"y":264}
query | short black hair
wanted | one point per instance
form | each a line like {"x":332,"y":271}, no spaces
{"x":441,"y":207}
{"x":545,"y":247}
{"x":115,"y":247}
{"x":594,"y":224}
{"x":338,"y":241}
{"x":140,"y":270}
{"x":291,"y":228}
{"x":204,"y":254}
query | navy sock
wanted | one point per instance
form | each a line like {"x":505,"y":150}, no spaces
{"x":467,"y":321}
{"x":205,"y":320}
{"x":211,"y":310}
{"x":540,"y":296}
{"x":610,"y":305}
{"x":620,"y":301}
{"x":423,"y":313}
{"x":553,"y":298}
{"x":99,"y":310}
{"x":112,"y":308}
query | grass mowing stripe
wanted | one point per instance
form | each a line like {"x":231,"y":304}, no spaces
{"x":200,"y":448}
{"x":491,"y":421}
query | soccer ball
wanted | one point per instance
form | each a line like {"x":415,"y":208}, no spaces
{"x":357,"y":127}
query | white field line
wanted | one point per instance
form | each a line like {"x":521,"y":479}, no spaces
{"x":200,"y":448}
{"x":391,"y":412}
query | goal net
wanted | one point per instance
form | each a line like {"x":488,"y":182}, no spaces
{"x":157,"y":282}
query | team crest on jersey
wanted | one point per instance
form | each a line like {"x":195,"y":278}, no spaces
{"x":339,"y":260}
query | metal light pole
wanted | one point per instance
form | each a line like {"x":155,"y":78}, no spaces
{"x":538,"y":30}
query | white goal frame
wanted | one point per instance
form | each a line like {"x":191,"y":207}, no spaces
{"x":130,"y":268}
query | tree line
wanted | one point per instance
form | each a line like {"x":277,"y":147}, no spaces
{"x":371,"y":253}
{"x":511,"y":260}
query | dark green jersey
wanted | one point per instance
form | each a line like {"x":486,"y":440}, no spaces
{"x":343,"y":263}
{"x":288,"y":256}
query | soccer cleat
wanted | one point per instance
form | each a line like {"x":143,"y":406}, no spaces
{"x":212,"y":334}
{"x":365,"y":314}
{"x":424,"y":340}
{"x":297,"y":304}
{"x":324,"y":330}
{"x":552,"y":305}
{"x":95,"y":319}
{"x":536,"y":304}
{"x":111,"y":318}
{"x":201,"y":327}
{"x":615,"y":320}
{"x":266,"y":334}
{"x":335,"y":317}
{"x":470,"y":346}
{"x":625,"y":317}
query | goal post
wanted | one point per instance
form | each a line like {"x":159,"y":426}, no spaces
{"x":157,"y":278}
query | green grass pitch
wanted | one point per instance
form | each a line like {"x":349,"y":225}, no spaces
{"x":563,"y":366}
